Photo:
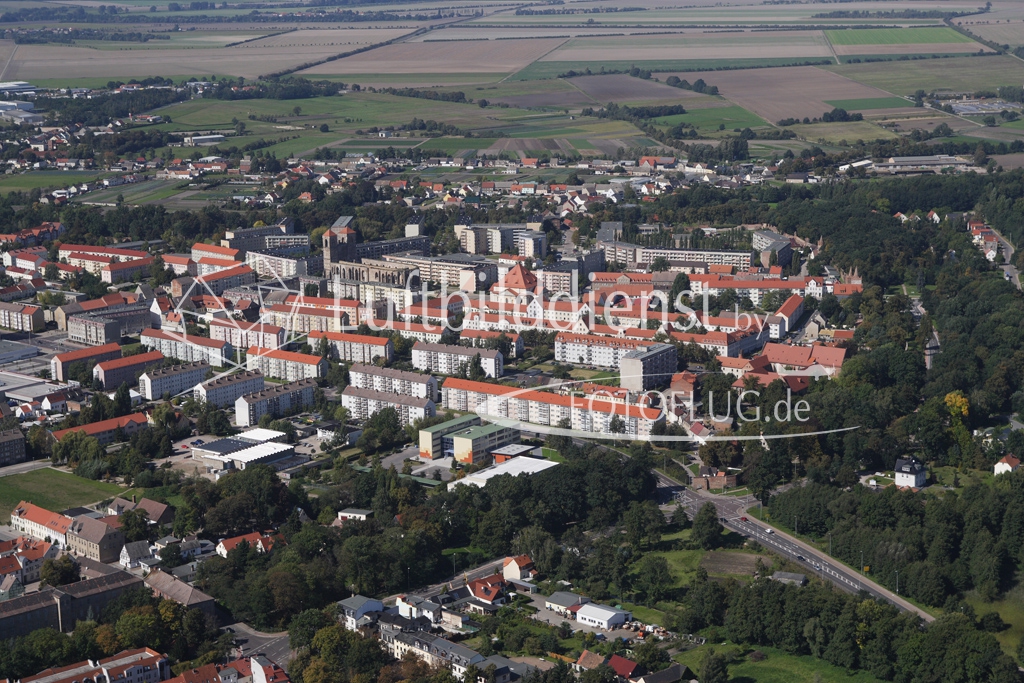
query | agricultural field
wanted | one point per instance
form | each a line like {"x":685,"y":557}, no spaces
{"x":45,"y":179}
{"x":707,"y":121}
{"x":955,"y":75}
{"x":1005,"y":33}
{"x":485,"y":56}
{"x":870,"y":103}
{"x":901,"y":40}
{"x":699,"y":46}
{"x":850,"y":131}
{"x":67,"y":64}
{"x":53,"y":490}
{"x":779,"y":93}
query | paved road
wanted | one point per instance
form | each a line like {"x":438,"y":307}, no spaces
{"x":1011,"y":271}
{"x":456,"y":581}
{"x":251,"y":642}
{"x":23,"y":467}
{"x":731,"y":509}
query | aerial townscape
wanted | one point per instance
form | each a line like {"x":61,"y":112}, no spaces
{"x":476,"y":341}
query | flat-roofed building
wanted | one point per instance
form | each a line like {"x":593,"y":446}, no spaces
{"x":274,"y":401}
{"x":393,"y":381}
{"x":364,"y":403}
{"x":176,"y":379}
{"x":473,"y":444}
{"x":224,"y":390}
{"x":643,"y":369}
{"x":112,"y":373}
{"x":188,"y":348}
{"x":432,"y":438}
{"x":12,"y":447}
{"x":286,"y":365}
{"x":60,"y":363}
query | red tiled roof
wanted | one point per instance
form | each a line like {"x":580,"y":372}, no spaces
{"x":226,"y":273}
{"x":72,"y":356}
{"x":128,"y":361}
{"x":104,"y":425}
{"x":351,"y":338}
{"x":789,"y":308}
{"x":622,"y":666}
{"x":290,"y":356}
{"x":43,"y":517}
{"x":215,"y":249}
{"x":190,"y":339}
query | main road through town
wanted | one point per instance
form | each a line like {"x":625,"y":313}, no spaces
{"x":732,"y":515}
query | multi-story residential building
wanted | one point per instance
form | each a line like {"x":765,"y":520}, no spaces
{"x":286,"y":365}
{"x":200,"y":250}
{"x":106,"y":431}
{"x":465,"y":271}
{"x":376,"y":250}
{"x":126,"y":271}
{"x":21,"y":317}
{"x":107,"y":325}
{"x":304,"y":319}
{"x":271,"y":263}
{"x":430,"y":334}
{"x":449,"y":360}
{"x":95,"y":539}
{"x":12,"y":446}
{"x":609,"y":352}
{"x":40,"y":523}
{"x":209,"y":265}
{"x":584,"y":413}
{"x":766,"y":242}
{"x":479,"y":338}
{"x":174,"y":380}
{"x":66,"y":250}
{"x":649,"y":368}
{"x":624,"y":253}
{"x":224,"y":391}
{"x":363,"y":403}
{"x":60,"y":363}
{"x":130,"y":666}
{"x":276,"y":400}
{"x":113,"y":373}
{"x":189,"y":348}
{"x":435,"y":651}
{"x":242,"y":334}
{"x":391,"y":381}
{"x":355,"y":348}
{"x":181,"y":264}
{"x":214,"y":283}
{"x":755,"y":288}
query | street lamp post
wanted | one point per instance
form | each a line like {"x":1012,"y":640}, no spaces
{"x":897,"y":582}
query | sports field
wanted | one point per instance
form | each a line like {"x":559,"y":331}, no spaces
{"x":52,"y":490}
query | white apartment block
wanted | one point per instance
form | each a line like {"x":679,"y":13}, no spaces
{"x":286,"y":365}
{"x":224,"y":391}
{"x":448,"y":360}
{"x":188,"y":348}
{"x":585,"y":413}
{"x":275,"y":401}
{"x":174,"y":380}
{"x":354,"y":348}
{"x":391,"y":381}
{"x":592,"y":349}
{"x":242,"y":334}
{"x":363,"y":403}
{"x":268,"y":264}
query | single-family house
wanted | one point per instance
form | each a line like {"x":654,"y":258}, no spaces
{"x":910,"y":473}
{"x":519,"y":568}
{"x":352,"y":610}
{"x":133,"y":553}
{"x":1007,"y":464}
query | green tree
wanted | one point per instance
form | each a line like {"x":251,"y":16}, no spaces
{"x":713,"y":669}
{"x":135,"y":525}
{"x":59,"y":572}
{"x":644,"y":523}
{"x":707,"y":530}
{"x":653,"y":577}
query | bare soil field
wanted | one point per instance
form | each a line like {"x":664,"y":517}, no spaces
{"x":573,"y":98}
{"x":623,"y":87}
{"x":1011,"y":33}
{"x":475,"y":56}
{"x":784,"y":92}
{"x":248,"y":60}
{"x":463,"y":32}
{"x":718,"y":562}
{"x":524,"y":145}
{"x":911,"y":49}
{"x":1009,"y":161}
{"x":694,"y":46}
{"x":345,"y":38}
{"x":955,"y":74}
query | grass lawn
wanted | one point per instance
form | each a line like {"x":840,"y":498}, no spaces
{"x":777,"y":667}
{"x":552,"y":454}
{"x":708,"y":120}
{"x":897,"y":36}
{"x":866,"y":103}
{"x":45,"y":179}
{"x":53,"y":490}
{"x":1011,"y":609}
{"x":945,"y":475}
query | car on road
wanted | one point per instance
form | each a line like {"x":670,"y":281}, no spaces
{"x":817,"y":566}
{"x":769,"y":531}
{"x":743,"y":519}
{"x":801,"y":558}
{"x":723,"y":520}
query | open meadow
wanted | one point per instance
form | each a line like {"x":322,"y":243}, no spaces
{"x":53,"y":490}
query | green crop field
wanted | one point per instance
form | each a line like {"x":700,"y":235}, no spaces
{"x":708,"y":120}
{"x":867,"y":103}
{"x":897,"y":36}
{"x":45,"y":179}
{"x":52,"y":490}
{"x":851,"y":131}
{"x":963,"y":74}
